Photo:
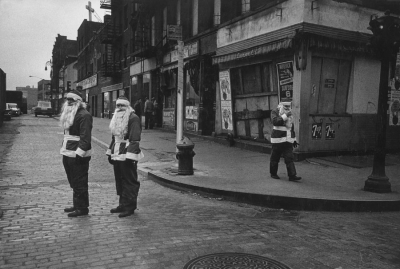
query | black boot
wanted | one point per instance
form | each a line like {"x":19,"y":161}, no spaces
{"x":291,"y":170}
{"x":273,"y":169}
{"x":118,"y":209}
{"x":79,"y":212}
{"x":69,"y":209}
{"x":126,"y":213}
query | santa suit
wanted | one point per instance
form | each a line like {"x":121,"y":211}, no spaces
{"x":282,"y":139}
{"x":77,"y":141}
{"x":125,"y":153}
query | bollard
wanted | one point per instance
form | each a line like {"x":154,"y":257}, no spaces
{"x":185,"y":156}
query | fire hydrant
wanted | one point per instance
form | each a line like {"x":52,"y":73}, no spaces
{"x":185,"y":156}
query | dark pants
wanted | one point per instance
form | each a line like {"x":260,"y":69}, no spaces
{"x":148,"y":120}
{"x":126,"y":183}
{"x":78,"y":175}
{"x":285,"y":150}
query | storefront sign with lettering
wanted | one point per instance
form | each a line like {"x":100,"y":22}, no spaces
{"x":88,"y":83}
{"x":285,"y":81}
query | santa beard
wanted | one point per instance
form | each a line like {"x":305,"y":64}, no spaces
{"x":119,"y":122}
{"x":68,"y":113}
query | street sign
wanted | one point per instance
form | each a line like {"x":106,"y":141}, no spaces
{"x":174,"y":32}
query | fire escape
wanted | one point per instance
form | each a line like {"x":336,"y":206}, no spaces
{"x":140,"y":23}
{"x":109,"y":36}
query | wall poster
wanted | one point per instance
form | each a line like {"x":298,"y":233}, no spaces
{"x":329,"y":131}
{"x":316,"y":131}
{"x":285,"y":81}
{"x":226,"y":100}
{"x":394,"y":102}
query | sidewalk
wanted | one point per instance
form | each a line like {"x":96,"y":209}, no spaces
{"x":236,"y":174}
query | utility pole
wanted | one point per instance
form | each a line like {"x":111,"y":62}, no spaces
{"x":386,"y":42}
{"x":179,"y":107}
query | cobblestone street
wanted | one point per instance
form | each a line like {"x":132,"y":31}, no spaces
{"x":170,"y":228}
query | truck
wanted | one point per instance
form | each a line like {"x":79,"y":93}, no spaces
{"x":16,"y":98}
{"x":43,"y":108}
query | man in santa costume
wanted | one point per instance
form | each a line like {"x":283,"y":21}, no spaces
{"x":124,"y":153}
{"x":283,"y":140}
{"x":76,"y":150}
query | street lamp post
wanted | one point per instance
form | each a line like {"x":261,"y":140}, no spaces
{"x":386,"y":42}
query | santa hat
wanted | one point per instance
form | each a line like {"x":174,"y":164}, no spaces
{"x":123,"y":100}
{"x":74,"y":94}
{"x":286,"y":103}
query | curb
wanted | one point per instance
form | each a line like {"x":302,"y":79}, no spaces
{"x":287,"y":203}
{"x":273,"y":201}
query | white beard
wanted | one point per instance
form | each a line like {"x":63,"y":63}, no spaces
{"x":68,"y":114}
{"x":119,"y":122}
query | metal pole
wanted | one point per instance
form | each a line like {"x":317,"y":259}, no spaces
{"x":378,"y":181}
{"x":179,"y":116}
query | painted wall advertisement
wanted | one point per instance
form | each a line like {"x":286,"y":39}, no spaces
{"x":285,"y":81}
{"x":226,"y":100}
{"x":394,"y":102}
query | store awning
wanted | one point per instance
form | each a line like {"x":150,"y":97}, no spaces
{"x":255,"y":51}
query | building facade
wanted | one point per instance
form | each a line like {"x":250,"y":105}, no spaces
{"x":241,"y":58}
{"x":62,"y":49}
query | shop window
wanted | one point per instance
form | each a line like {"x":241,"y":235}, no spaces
{"x":192,"y":99}
{"x":146,"y":84}
{"x":106,"y":104}
{"x":251,"y":79}
{"x":330,"y":80}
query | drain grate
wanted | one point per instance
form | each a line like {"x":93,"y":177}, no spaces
{"x":234,"y":260}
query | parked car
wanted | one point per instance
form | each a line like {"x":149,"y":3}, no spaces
{"x":7,"y":115}
{"x":13,"y":107}
{"x":43,"y":108}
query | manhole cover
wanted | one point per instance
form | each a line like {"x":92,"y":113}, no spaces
{"x":234,"y":261}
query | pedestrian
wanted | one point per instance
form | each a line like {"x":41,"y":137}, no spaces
{"x":155,"y":110}
{"x":124,"y":153}
{"x":148,"y":114}
{"x":283,"y":140}
{"x":76,"y":150}
{"x":138,"y":109}
{"x":87,"y":106}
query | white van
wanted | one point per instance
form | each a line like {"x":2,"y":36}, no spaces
{"x":13,"y":107}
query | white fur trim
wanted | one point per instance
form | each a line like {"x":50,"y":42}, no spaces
{"x":134,"y":156}
{"x":284,"y":117}
{"x":122,"y":101}
{"x":74,"y":96}
{"x":83,"y":153}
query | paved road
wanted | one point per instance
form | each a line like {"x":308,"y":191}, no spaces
{"x":170,"y":228}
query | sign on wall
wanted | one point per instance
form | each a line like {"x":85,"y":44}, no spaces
{"x":394,"y":102}
{"x":329,"y":131}
{"x":316,"y":131}
{"x":285,"y":81}
{"x":226,"y":100}
{"x":174,"y":32}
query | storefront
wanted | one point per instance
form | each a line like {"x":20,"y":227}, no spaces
{"x":109,"y":97}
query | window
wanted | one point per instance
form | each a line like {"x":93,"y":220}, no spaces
{"x":245,"y":6}
{"x":195,"y":17}
{"x":251,"y":79}
{"x":165,"y":25}
{"x":331,"y":78}
{"x":217,"y":12}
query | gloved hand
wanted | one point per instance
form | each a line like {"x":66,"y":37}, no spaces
{"x":295,"y":144}
{"x":110,"y":160}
